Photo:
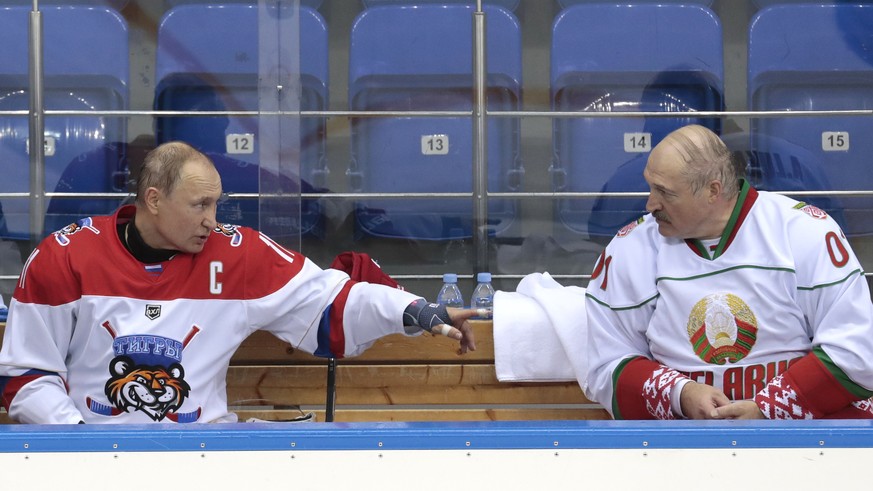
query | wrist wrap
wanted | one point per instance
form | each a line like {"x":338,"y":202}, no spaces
{"x":426,"y":315}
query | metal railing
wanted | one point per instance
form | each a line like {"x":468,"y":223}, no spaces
{"x":479,"y":115}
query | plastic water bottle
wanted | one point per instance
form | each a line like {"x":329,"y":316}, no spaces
{"x":450,"y":294}
{"x":483,"y":295}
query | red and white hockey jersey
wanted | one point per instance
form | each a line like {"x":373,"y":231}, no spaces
{"x":95,"y":335}
{"x":780,"y":293}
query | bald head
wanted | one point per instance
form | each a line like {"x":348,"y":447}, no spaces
{"x":162,"y":167}
{"x":693,"y":182}
{"x":706,"y":158}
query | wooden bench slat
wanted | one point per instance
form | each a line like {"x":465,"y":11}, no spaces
{"x":410,"y":395}
{"x":392,"y":385}
{"x":408,"y":415}
{"x":264,"y":348}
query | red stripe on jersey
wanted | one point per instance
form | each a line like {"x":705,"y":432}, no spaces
{"x":856,"y":410}
{"x":14,"y":384}
{"x":193,"y":332}
{"x":337,"y":332}
{"x":817,"y":389}
{"x":631,"y":386}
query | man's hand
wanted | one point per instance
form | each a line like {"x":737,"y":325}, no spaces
{"x":701,"y":401}
{"x":738,"y":410}
{"x":461,"y":328}
{"x":447,"y":321}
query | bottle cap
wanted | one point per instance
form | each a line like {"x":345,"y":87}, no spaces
{"x":450,"y":278}
{"x":483,"y":277}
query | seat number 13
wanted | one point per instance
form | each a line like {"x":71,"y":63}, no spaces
{"x":434,"y":144}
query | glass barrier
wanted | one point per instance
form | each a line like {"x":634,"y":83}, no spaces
{"x":346,"y":125}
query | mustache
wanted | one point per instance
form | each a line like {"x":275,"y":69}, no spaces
{"x":661,"y":216}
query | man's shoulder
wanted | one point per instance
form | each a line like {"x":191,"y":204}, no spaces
{"x":240,"y":243}
{"x":638,"y":236}
{"x":625,"y":272}
{"x":819,"y":247}
{"x":82,"y":236}
{"x":235,"y":239}
{"x":798,"y":217}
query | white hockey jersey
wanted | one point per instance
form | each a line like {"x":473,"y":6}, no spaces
{"x":97,"y":336}
{"x":780,"y":285}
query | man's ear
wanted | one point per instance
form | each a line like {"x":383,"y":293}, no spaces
{"x":153,"y":196}
{"x":715,"y":189}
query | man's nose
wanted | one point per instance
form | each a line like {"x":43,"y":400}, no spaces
{"x":209,"y":220}
{"x":652,"y":205}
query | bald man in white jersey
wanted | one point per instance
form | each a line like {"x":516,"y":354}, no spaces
{"x":727,"y":302}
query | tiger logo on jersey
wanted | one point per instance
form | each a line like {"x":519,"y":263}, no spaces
{"x":146,"y":376}
{"x":153,"y":390}
{"x":722,"y":328}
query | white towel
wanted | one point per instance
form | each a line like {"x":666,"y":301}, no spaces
{"x":540,"y":332}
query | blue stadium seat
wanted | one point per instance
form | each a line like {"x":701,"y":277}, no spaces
{"x":570,"y":3}
{"x":406,"y":58}
{"x":315,"y":4}
{"x":599,"y":64}
{"x":768,"y":3}
{"x":816,"y":57}
{"x":208,"y":59}
{"x":116,"y":4}
{"x":507,"y":4}
{"x":85,"y":64}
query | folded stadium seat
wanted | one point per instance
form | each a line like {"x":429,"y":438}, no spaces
{"x":85,"y":65}
{"x":775,"y":164}
{"x":619,"y":58}
{"x":510,"y":5}
{"x":569,"y":3}
{"x":315,"y":4}
{"x":419,"y":58}
{"x":208,"y":59}
{"x":767,"y":3}
{"x":115,"y":4}
{"x":819,"y":58}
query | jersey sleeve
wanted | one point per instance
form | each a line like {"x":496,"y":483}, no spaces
{"x":37,"y":339}
{"x":320,"y":311}
{"x":835,"y":299}
{"x":620,"y":302}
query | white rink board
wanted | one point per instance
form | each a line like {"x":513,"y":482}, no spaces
{"x":668,"y":469}
{"x":457,"y":456}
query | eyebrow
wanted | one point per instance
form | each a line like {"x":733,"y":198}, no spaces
{"x":662,"y":189}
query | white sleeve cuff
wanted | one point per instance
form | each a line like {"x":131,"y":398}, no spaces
{"x":676,"y":397}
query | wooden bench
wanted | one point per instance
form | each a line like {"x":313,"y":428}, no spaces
{"x":399,"y":378}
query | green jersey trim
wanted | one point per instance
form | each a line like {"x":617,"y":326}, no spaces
{"x":617,"y":309}
{"x":616,"y":412}
{"x":713,"y":273}
{"x":840,"y":375}
{"x":837,"y":282}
